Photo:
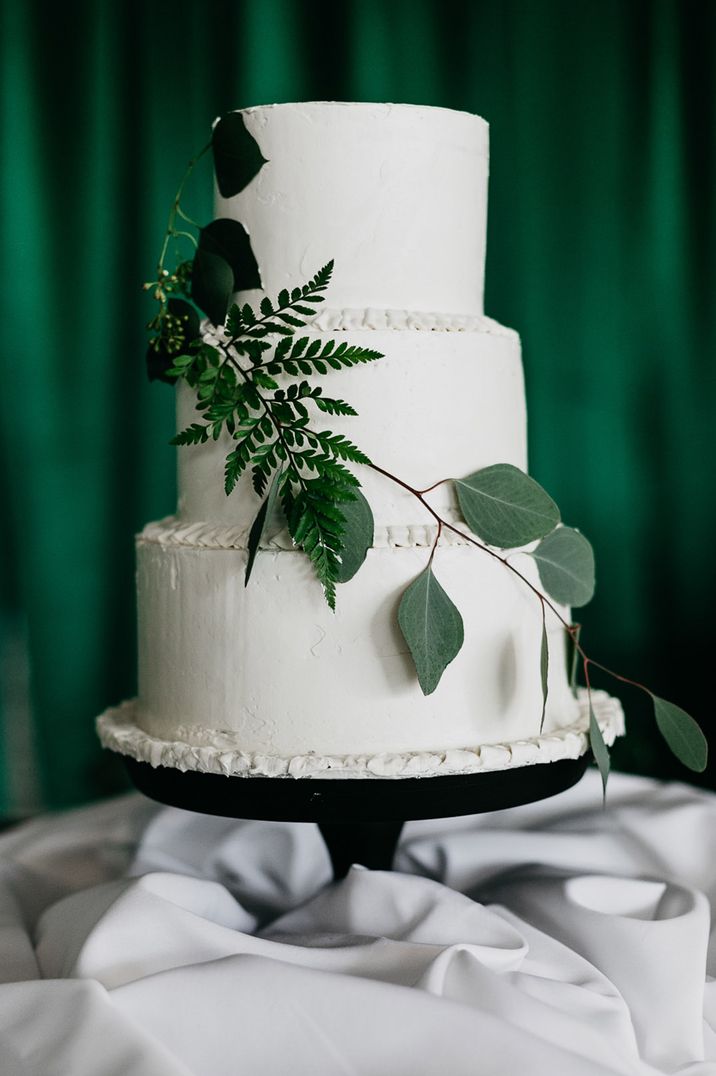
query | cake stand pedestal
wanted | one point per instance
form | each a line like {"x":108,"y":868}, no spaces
{"x":360,"y":819}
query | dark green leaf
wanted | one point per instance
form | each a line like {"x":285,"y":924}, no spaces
{"x":544,"y":666}
{"x":212,"y":283}
{"x":258,"y":527}
{"x":505,"y":507}
{"x":317,"y":531}
{"x":573,"y":656}
{"x":599,"y":748}
{"x":263,"y":380}
{"x":565,"y":561}
{"x":357,"y":536}
{"x":432,"y":627}
{"x":237,"y":157}
{"x":229,"y":240}
{"x":334,"y":407}
{"x":681,"y":733}
{"x":195,"y":434}
{"x":340,"y":446}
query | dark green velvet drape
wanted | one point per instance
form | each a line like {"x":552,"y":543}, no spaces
{"x":601,"y":253}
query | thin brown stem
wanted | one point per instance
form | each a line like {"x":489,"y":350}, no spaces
{"x":429,"y":489}
{"x":175,"y":208}
{"x":435,"y":543}
{"x":618,"y":676}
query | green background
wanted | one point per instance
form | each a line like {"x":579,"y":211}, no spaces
{"x":600,"y":252}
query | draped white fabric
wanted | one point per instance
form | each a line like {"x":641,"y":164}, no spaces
{"x":556,"y":938}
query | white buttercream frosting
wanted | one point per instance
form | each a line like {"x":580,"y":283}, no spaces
{"x":395,"y":194}
{"x":210,"y":751}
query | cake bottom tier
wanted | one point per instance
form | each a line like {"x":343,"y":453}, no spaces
{"x":265,"y":679}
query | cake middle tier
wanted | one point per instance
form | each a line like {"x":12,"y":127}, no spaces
{"x":268,"y":670}
{"x":446,"y":399}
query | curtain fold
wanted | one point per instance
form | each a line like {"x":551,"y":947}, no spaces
{"x":600,"y":252}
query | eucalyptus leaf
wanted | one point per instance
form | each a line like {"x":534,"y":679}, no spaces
{"x":258,"y":526}
{"x":505,"y":507}
{"x":357,"y":536}
{"x":229,"y":239}
{"x":544,"y":667}
{"x":681,"y":733}
{"x":599,"y":748}
{"x":565,"y":562}
{"x":573,"y":656}
{"x":432,"y":627}
{"x":237,"y":157}
{"x":212,"y":283}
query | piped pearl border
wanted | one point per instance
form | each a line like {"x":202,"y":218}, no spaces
{"x":378,"y":318}
{"x":218,"y":752}
{"x":174,"y":531}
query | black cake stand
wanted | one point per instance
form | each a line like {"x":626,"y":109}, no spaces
{"x":360,"y":819}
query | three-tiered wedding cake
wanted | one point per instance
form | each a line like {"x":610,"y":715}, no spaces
{"x":264,"y":679}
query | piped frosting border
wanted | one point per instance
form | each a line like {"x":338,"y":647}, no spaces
{"x":218,"y":752}
{"x":174,"y":531}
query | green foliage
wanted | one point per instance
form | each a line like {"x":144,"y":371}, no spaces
{"x":573,"y":656}
{"x":267,"y":423}
{"x":212,"y":283}
{"x":282,"y":318}
{"x":565,"y":561}
{"x":175,"y":327}
{"x":258,"y":527}
{"x":681,"y":733}
{"x":544,"y":665}
{"x":432,"y":627}
{"x":316,"y":524}
{"x":229,"y":239}
{"x":599,"y":748}
{"x":310,"y":358}
{"x":192,"y":435}
{"x":237,"y":157}
{"x":357,"y":536}
{"x":505,"y":507}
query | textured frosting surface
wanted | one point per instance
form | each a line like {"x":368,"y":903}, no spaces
{"x":209,"y":751}
{"x":271,"y":664}
{"x":396,"y":194}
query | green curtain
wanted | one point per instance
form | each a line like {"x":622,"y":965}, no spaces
{"x":601,"y":253}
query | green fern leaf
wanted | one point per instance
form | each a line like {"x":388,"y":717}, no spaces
{"x":192,"y":435}
{"x":334,"y":407}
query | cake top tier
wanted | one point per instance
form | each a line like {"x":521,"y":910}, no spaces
{"x":396,"y":194}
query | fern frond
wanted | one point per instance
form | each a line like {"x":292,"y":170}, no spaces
{"x":334,"y":407}
{"x":338,"y":445}
{"x":195,"y":434}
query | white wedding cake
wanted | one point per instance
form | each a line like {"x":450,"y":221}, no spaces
{"x":264,"y":679}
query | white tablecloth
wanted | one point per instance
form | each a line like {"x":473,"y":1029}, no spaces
{"x":556,"y":938}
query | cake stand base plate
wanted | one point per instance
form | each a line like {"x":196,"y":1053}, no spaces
{"x":360,"y":819}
